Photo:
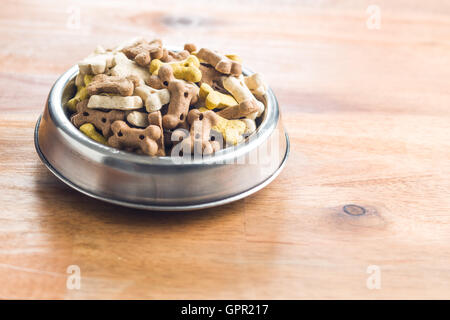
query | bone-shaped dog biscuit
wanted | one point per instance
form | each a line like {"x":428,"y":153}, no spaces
{"x":80,"y":95}
{"x":256,"y":84}
{"x":243,"y":95}
{"x":199,"y":139}
{"x":190,"y":47}
{"x":138,"y":119}
{"x":125,"y":137}
{"x":155,"y":82}
{"x":143,"y":120}
{"x":250,"y":126}
{"x":155,"y":118}
{"x":153,"y":99}
{"x":244,"y":109}
{"x":143,"y":52}
{"x":124,"y":67}
{"x":89,"y":130}
{"x":237,"y":88}
{"x":172,"y":56}
{"x":101,"y":120}
{"x":214,"y":99}
{"x":234,"y":57}
{"x":231,"y":130}
{"x":220,"y":62}
{"x":102,"y":83}
{"x":97,"y":62}
{"x":182,"y":95}
{"x":115,"y":102}
{"x":211,"y":77}
{"x":187,"y":69}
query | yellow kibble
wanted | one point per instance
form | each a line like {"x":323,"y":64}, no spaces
{"x":214,"y":99}
{"x":205,"y":89}
{"x":155,"y":65}
{"x":87,"y":79}
{"x":186,"y":70}
{"x":190,"y":74}
{"x":234,"y":57}
{"x":231,"y":130}
{"x":80,"y":95}
{"x":89,"y":130}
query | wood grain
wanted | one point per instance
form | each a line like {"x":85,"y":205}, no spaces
{"x":369,"y":120}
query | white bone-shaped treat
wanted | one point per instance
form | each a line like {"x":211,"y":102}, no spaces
{"x":256,"y":84}
{"x":138,"y":119}
{"x":115,"y":102}
{"x":241,"y":93}
{"x":250,"y":125}
{"x":124,"y":67}
{"x":154,"y":99}
{"x":97,"y":62}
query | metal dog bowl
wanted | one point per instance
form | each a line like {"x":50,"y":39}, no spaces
{"x":157,"y":183}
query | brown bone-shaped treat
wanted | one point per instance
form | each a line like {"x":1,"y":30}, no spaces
{"x":144,"y":140}
{"x":238,"y":111}
{"x":144,"y":52}
{"x":182,"y":95}
{"x":102,"y":83}
{"x":154,"y":82}
{"x":212,"y":77}
{"x":101,"y":120}
{"x":165,"y":75}
{"x":171,"y":56}
{"x":199,"y":139}
{"x":220,"y":62}
{"x":155,"y":118}
{"x":190,"y":47}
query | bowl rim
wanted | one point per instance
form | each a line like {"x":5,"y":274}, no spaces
{"x":60,"y":119}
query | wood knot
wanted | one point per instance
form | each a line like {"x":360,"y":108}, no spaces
{"x":357,"y":217}
{"x":354,"y":210}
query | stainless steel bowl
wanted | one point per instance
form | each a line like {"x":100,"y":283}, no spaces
{"x":157,"y":183}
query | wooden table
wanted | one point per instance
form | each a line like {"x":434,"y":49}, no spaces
{"x":368,"y":113}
